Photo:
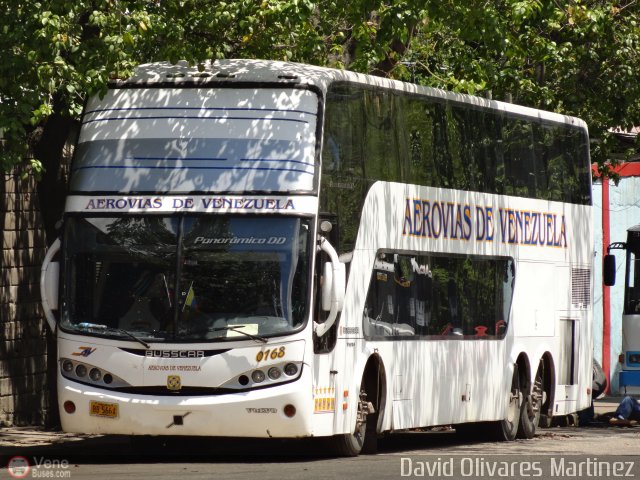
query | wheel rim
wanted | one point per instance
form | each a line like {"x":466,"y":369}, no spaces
{"x":361,"y":418}
{"x":515,"y":401}
{"x":537,"y":396}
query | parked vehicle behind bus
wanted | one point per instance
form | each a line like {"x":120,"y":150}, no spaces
{"x":629,"y":379}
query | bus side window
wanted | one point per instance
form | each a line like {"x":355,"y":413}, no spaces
{"x":434,"y":295}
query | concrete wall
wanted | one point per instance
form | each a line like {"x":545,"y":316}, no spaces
{"x":624,"y":206}
{"x":23,"y":330}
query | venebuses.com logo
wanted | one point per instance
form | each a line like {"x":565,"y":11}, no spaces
{"x":20,"y":467}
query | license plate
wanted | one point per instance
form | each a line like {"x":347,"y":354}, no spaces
{"x":100,"y":409}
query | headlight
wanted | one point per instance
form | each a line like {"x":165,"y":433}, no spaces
{"x":269,"y":376}
{"x":90,"y":374}
{"x":274,"y":373}
{"x":67,"y":366}
{"x":257,"y":376}
{"x":291,"y":369}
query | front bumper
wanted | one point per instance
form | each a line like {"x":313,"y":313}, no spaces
{"x":257,"y":413}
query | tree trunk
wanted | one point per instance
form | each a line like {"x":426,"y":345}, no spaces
{"x":48,"y":148}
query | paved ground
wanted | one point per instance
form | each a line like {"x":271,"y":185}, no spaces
{"x":49,"y":454}
{"x":14,"y":439}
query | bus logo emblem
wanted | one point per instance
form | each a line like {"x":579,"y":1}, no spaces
{"x":84,"y":352}
{"x":173,"y":382}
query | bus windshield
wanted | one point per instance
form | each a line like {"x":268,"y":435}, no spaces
{"x":185,"y":278}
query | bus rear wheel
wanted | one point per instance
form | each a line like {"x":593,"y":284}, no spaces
{"x":507,"y":429}
{"x":530,"y":413}
{"x":351,"y":444}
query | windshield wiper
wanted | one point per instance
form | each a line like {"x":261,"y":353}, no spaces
{"x":237,"y":328}
{"x":113,"y":329}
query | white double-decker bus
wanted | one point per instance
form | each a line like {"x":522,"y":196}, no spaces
{"x":266,"y":249}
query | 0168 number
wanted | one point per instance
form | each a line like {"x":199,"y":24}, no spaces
{"x":272,"y":354}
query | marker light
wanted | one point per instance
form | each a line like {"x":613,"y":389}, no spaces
{"x":289,"y":410}
{"x":69,"y":406}
{"x":257,"y":376}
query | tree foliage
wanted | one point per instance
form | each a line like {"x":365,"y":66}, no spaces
{"x":578,"y":57}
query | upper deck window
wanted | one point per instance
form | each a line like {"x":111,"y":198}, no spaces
{"x":186,"y":140}
{"x":376,"y":134}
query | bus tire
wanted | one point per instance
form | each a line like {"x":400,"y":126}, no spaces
{"x":348,"y":445}
{"x":545,"y":421}
{"x":352,"y":444}
{"x":507,"y":429}
{"x":532,"y":405}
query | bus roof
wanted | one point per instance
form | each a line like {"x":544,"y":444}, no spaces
{"x":288,"y":73}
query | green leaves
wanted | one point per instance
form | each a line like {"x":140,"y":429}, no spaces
{"x":574,"y":57}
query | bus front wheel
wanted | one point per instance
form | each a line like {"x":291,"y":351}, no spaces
{"x":351,"y":444}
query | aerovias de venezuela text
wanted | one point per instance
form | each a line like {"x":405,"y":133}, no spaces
{"x":450,"y":220}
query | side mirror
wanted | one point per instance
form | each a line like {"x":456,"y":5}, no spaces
{"x":49,"y":279}
{"x":333,"y":286}
{"x":609,"y":270}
